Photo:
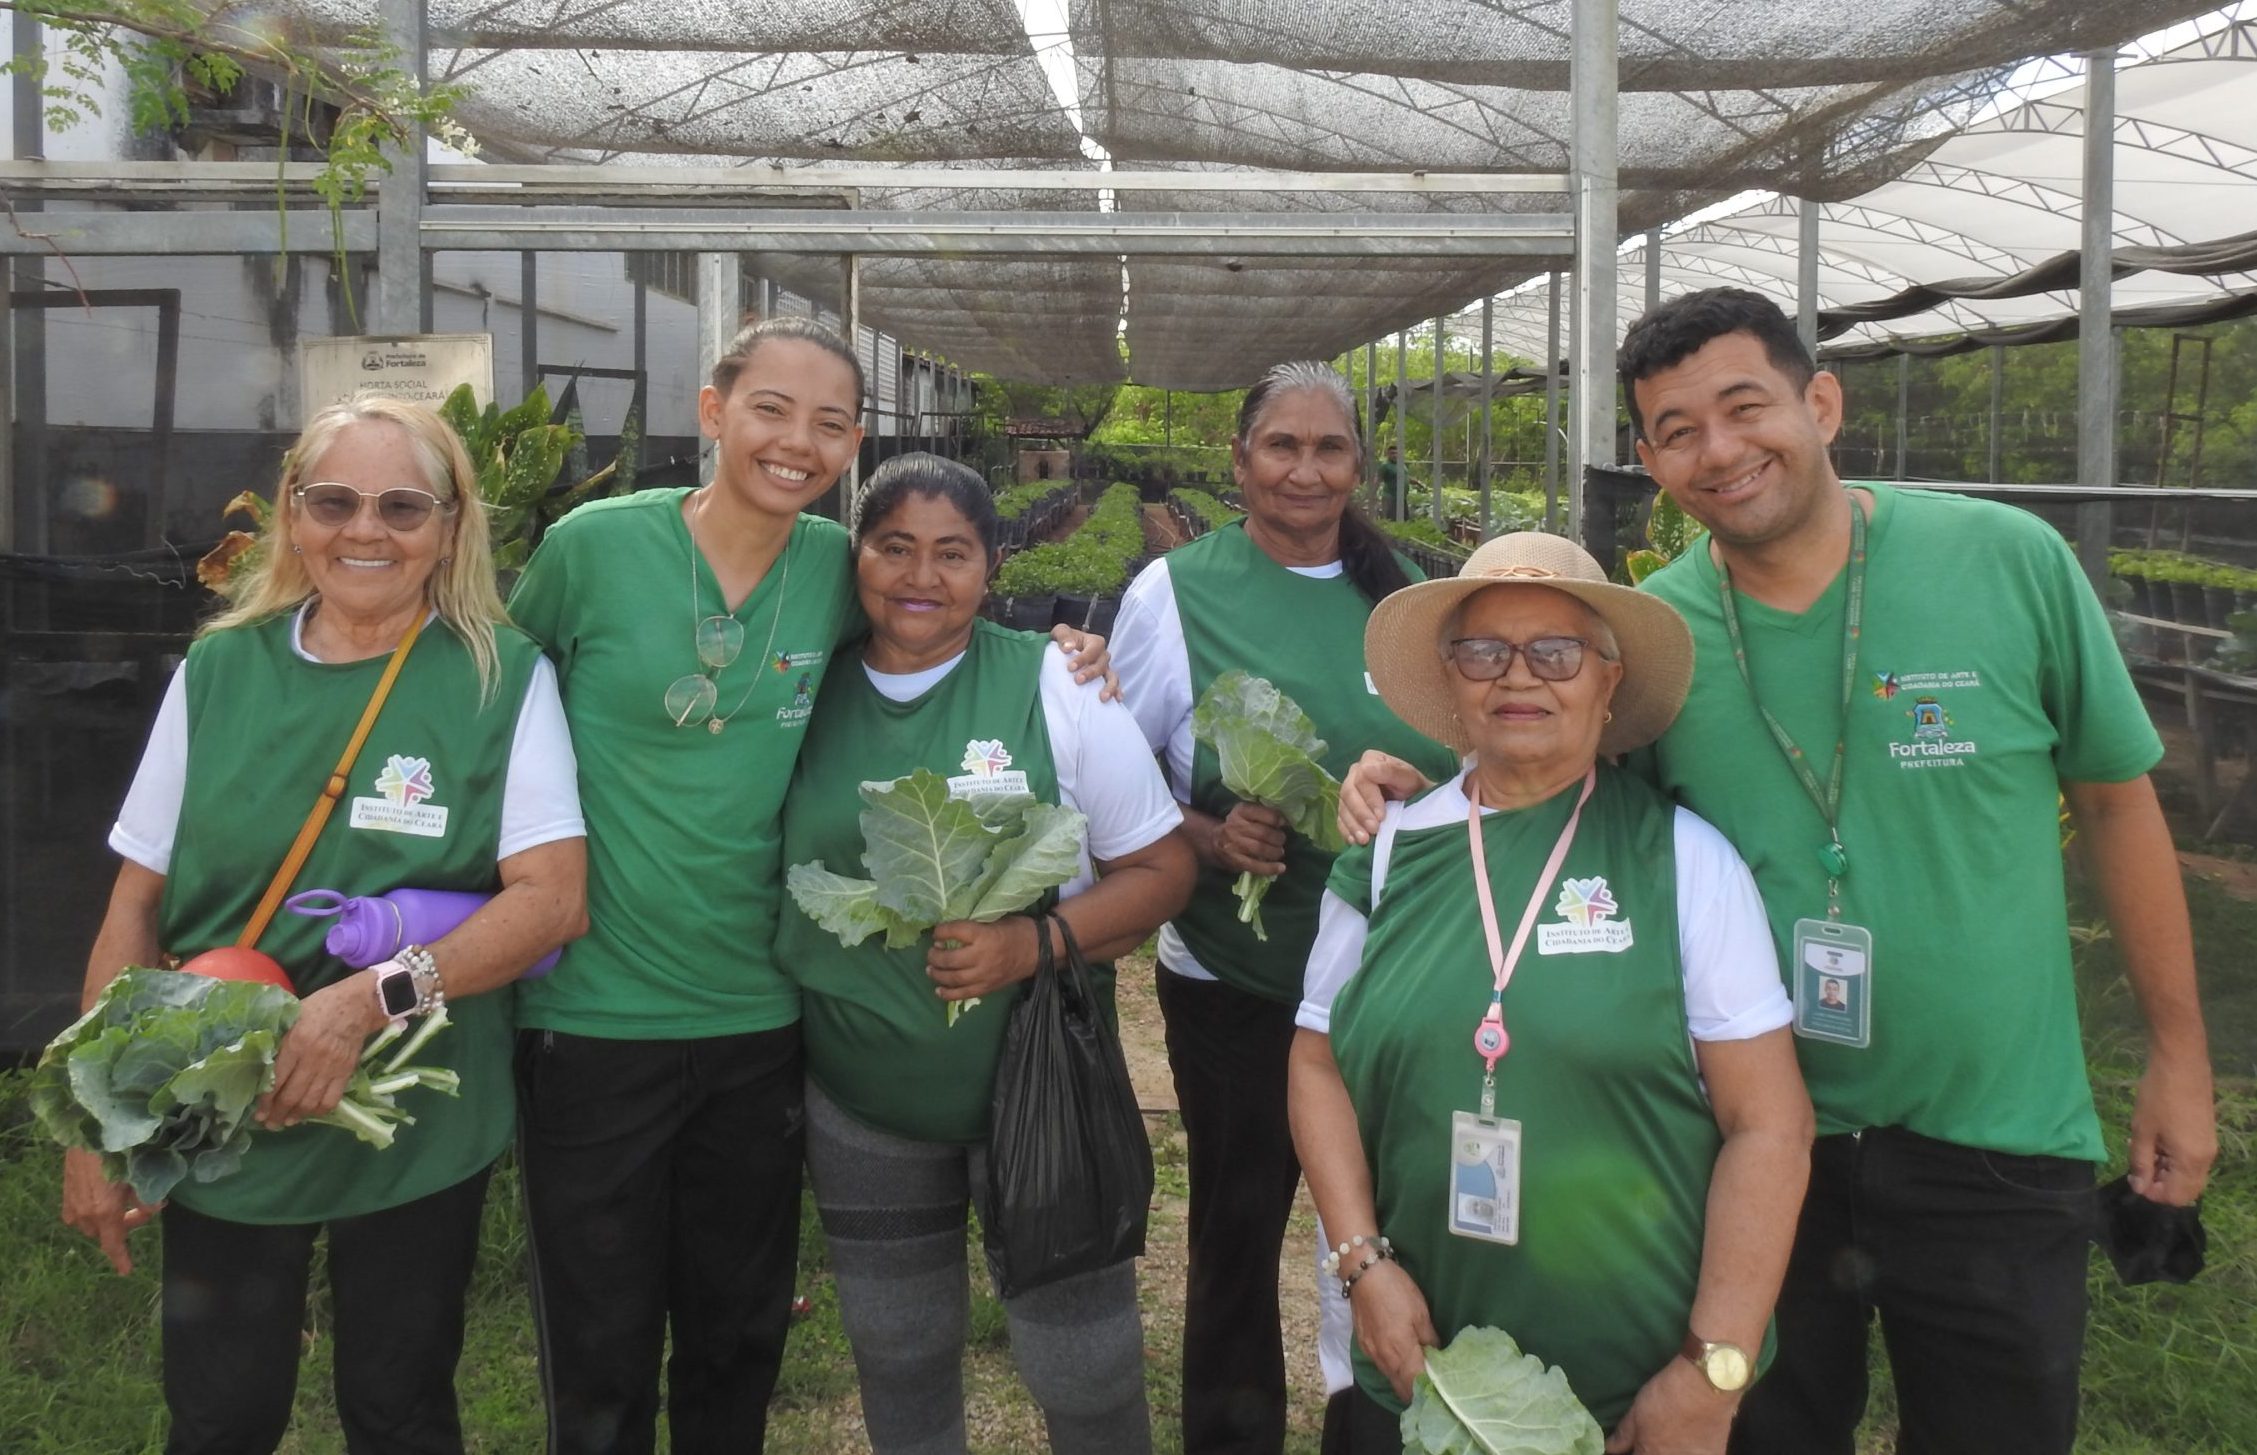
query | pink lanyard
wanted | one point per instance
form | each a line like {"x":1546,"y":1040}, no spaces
{"x":1490,"y":1041}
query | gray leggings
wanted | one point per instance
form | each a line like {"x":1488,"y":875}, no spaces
{"x":893,"y":1211}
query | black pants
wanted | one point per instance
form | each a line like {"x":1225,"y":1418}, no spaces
{"x":661,"y":1190}
{"x":235,"y":1311}
{"x":1228,"y":1052}
{"x":1975,"y":1262}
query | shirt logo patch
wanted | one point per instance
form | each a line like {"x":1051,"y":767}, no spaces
{"x":802,"y":705}
{"x":1587,"y":925}
{"x":404,"y":783}
{"x":987,"y":771}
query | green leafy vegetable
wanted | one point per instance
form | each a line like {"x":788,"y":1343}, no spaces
{"x":1270,"y":755}
{"x":161,"y":1077}
{"x":933,"y":859}
{"x":1483,"y":1396}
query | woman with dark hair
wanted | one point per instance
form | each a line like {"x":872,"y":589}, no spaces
{"x":659,"y":1067}
{"x":899,"y":1082}
{"x":1284,"y":595}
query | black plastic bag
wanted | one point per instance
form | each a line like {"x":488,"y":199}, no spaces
{"x":2148,"y":1241}
{"x":1069,"y":1168}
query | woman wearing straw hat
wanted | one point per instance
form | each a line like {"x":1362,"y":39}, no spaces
{"x":1543,"y":1032}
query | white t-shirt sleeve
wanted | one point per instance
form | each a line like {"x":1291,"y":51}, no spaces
{"x":1732,"y":986}
{"x":1154,"y":664}
{"x":147,"y":822}
{"x":541,"y":794}
{"x":1333,"y":960}
{"x":1104,"y":767}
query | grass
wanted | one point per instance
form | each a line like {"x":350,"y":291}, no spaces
{"x":2166,"y":1369}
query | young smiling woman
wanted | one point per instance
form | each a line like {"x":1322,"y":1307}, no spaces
{"x":897,"y":1097}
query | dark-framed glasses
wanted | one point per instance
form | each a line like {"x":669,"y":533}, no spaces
{"x":1485,"y":659}
{"x":691,"y":698}
{"x":402,"y":508}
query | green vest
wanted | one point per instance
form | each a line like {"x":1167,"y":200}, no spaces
{"x":1617,"y":1138}
{"x":877,"y":1038}
{"x":1304,"y":634}
{"x":422,"y":808}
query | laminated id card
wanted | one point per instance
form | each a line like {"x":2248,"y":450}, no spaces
{"x":1833,"y":982}
{"x":1484,"y":1178}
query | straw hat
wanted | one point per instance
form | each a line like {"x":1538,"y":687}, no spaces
{"x":1402,"y":641}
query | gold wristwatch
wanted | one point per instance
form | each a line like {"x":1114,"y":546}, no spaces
{"x":1725,"y":1366}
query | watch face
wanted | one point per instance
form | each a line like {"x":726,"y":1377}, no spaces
{"x":399,"y":992}
{"x":1727,"y":1367}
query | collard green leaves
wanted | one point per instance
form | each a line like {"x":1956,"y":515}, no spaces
{"x":933,"y":859}
{"x":1269,"y":754}
{"x":161,"y":1076}
{"x":1483,"y":1396}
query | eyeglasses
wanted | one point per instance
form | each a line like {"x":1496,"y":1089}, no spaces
{"x":1485,"y":659}
{"x":402,"y":508}
{"x":692,"y":698}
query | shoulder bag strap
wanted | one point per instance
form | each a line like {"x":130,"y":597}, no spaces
{"x":331,"y":791}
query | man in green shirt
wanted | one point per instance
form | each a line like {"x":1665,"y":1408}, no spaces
{"x":1895,"y":691}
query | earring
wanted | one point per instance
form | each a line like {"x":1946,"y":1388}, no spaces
{"x":297,"y":550}
{"x":1609,"y":718}
{"x":443,"y":560}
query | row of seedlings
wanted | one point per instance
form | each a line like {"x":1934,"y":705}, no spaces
{"x":1078,"y":580}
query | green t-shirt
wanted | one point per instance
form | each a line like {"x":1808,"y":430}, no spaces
{"x":1986,"y":675}
{"x":877,"y":1038}
{"x":1618,"y":1142}
{"x":685,"y":866}
{"x":1305,"y":635}
{"x":422,"y":809}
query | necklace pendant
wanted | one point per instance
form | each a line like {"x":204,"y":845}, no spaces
{"x":713,"y":725}
{"x":1833,"y":859}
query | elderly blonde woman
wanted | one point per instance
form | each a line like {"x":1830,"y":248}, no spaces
{"x":1543,"y":1080}
{"x":377,"y":556}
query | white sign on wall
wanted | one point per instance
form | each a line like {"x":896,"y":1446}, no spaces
{"x":423,"y":368}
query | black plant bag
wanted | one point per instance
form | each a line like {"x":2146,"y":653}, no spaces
{"x":1069,"y":1168}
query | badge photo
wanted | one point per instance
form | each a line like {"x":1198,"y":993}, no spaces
{"x":1833,"y":982}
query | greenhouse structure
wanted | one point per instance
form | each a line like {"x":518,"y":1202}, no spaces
{"x":1177,"y":193}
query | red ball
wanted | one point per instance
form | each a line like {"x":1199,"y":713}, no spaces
{"x":234,"y":962}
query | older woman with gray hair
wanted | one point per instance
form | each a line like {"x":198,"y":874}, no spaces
{"x":1284,"y":595}
{"x":375,"y":591}
{"x":1543,"y":1079}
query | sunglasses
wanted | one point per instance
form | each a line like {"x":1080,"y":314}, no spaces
{"x":402,"y":508}
{"x":1485,"y":659}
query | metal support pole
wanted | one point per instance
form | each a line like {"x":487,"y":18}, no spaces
{"x":1998,"y":410}
{"x":1371,"y":426}
{"x":1434,"y":489}
{"x":1552,"y":403}
{"x":716,"y":319}
{"x":1488,"y":397}
{"x":23,"y":403}
{"x":1593,"y":79}
{"x":1806,"y":276}
{"x":1399,"y":507}
{"x":528,"y":322}
{"x":1653,"y":269}
{"x":400,"y":287}
{"x":1904,"y":407}
{"x":2096,"y":348}
{"x":850,"y":320}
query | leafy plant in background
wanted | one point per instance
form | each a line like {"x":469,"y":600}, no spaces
{"x":166,"y":47}
{"x":1270,"y":755}
{"x":1669,"y":531}
{"x":161,"y":1077}
{"x":239,"y":552}
{"x":934,"y":858}
{"x":1481,"y":1395}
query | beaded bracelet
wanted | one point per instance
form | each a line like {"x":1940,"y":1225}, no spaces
{"x":1332,"y":1260}
{"x":1381,"y":1254}
{"x":432,"y":990}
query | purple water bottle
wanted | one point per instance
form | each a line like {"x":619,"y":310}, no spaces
{"x":373,"y":928}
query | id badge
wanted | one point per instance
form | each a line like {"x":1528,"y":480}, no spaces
{"x":1833,"y":982}
{"x":1484,"y":1178}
